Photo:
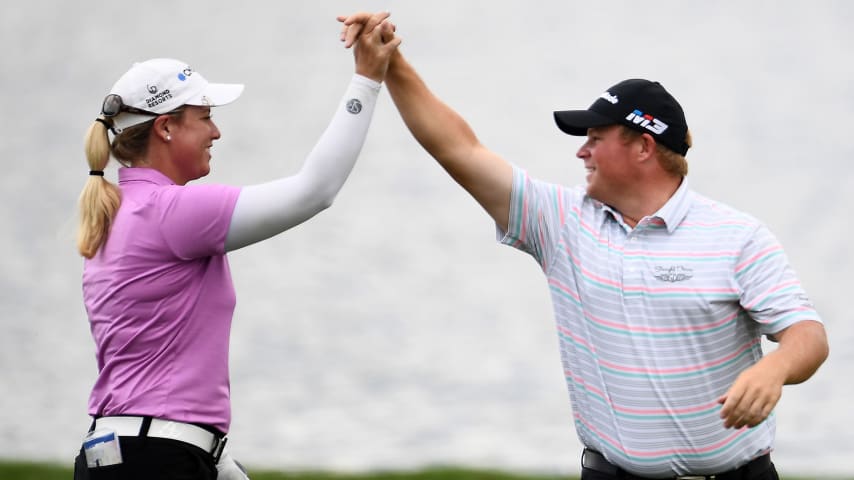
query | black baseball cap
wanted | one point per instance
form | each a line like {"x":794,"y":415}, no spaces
{"x":639,"y":104}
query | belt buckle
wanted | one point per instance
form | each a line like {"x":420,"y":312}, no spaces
{"x":584,"y":459}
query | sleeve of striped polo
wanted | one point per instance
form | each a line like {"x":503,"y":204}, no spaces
{"x":771,"y":291}
{"x":533,"y":226}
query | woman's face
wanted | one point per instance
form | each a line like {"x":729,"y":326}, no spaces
{"x":192,"y":137}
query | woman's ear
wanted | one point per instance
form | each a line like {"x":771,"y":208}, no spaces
{"x":161,"y":127}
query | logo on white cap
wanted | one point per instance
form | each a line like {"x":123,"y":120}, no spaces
{"x":185,"y":73}
{"x":161,"y":85}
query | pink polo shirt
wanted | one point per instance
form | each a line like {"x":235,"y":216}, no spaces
{"x":160,"y":301}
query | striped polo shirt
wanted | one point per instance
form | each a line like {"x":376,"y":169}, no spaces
{"x":655,"y":323}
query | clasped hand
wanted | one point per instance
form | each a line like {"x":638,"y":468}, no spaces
{"x":374,"y":39}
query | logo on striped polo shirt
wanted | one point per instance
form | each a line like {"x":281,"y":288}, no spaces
{"x":673,"y":273}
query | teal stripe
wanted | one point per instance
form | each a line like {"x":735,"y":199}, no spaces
{"x":641,"y":293}
{"x":805,"y":315}
{"x":559,"y":291}
{"x":697,"y":373}
{"x":565,"y":295}
{"x":518,"y":179}
{"x":715,"y":227}
{"x":639,"y":416}
{"x":619,"y":331}
{"x":657,"y":459}
{"x":711,"y":296}
{"x":728,"y":258}
{"x":775,"y":296}
{"x":675,"y":258}
{"x":581,"y":346}
{"x":556,"y":203}
{"x":762,"y":260}
{"x":601,"y":285}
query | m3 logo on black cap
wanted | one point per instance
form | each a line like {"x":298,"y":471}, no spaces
{"x":647,"y":121}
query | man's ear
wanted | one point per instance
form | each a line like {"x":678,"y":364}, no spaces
{"x":647,"y":146}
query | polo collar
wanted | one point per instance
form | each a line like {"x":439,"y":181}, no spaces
{"x":676,"y":209}
{"x":671,"y":213}
{"x":144,"y":175}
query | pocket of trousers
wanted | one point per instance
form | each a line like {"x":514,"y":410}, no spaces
{"x":109,"y":472}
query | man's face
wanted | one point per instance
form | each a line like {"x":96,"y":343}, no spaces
{"x":606,"y":155}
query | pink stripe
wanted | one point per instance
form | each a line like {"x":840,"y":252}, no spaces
{"x":642,"y":328}
{"x":679,"y":290}
{"x":542,"y":241}
{"x":621,"y":249}
{"x":647,"y":253}
{"x":756,"y":257}
{"x":665,"y":371}
{"x":640,"y":411}
{"x":563,"y":288}
{"x":660,"y":453}
{"x":575,"y":337}
{"x":689,"y":368}
{"x":523,"y":228}
{"x":589,"y":388}
{"x":649,"y":329}
{"x":777,"y":288}
{"x":594,"y":233}
{"x":589,"y":275}
{"x":599,"y":433}
{"x":725,"y":223}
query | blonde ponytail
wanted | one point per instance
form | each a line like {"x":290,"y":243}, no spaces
{"x":100,"y":199}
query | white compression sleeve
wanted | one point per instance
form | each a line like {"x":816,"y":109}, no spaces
{"x":268,"y":209}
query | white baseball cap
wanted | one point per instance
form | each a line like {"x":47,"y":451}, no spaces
{"x":158,"y":86}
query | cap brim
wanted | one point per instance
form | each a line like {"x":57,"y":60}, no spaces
{"x":576,"y":122}
{"x":216,"y":94}
{"x":126,"y":120}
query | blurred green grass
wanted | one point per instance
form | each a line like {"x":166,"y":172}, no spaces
{"x":15,"y":470}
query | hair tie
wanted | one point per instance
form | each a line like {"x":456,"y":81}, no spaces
{"x":107,"y":124}
{"x":97,"y":173}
